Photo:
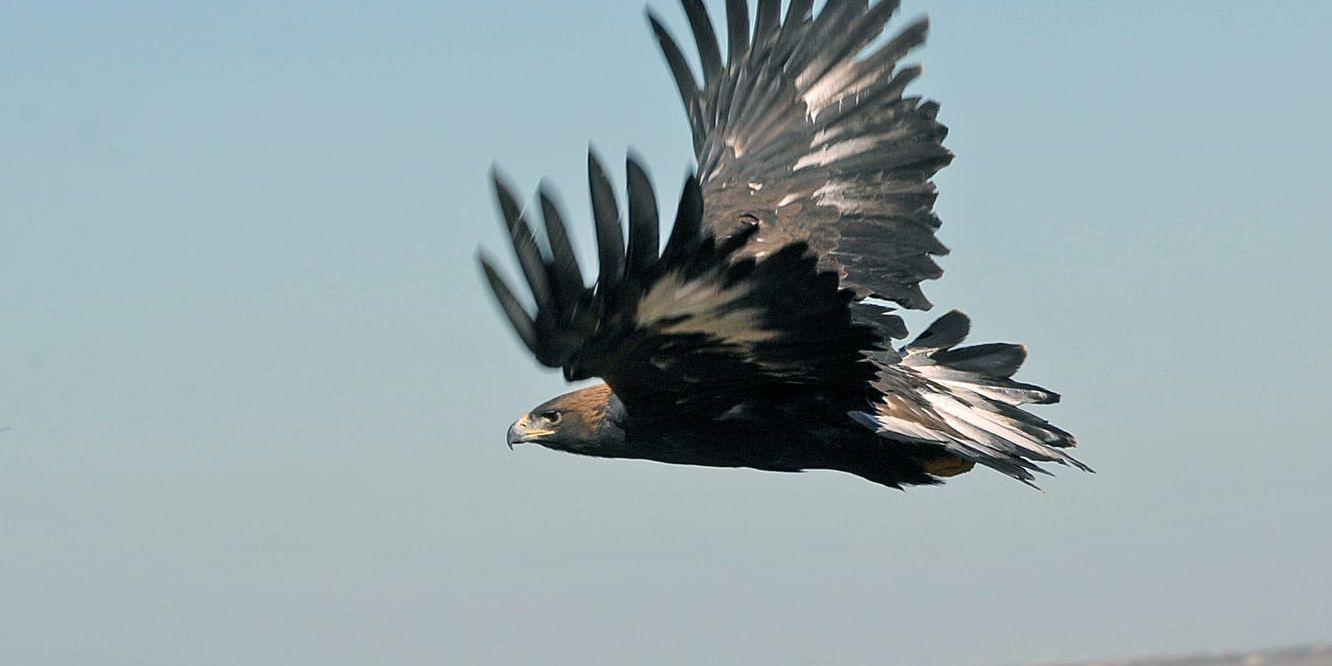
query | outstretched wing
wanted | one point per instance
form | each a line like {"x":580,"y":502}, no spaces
{"x":805,"y":132}
{"x":693,"y":329}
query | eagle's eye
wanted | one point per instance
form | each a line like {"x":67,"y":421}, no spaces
{"x":552,"y":417}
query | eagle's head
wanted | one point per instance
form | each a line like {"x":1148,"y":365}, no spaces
{"x":586,"y":421}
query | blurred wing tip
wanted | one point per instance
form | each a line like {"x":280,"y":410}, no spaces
{"x":634,"y":161}
{"x":654,"y":20}
{"x":484,"y":260}
{"x":499,"y":178}
{"x":596,"y":166}
{"x":504,"y":192}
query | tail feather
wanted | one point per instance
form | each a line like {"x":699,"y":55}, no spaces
{"x":965,"y":400}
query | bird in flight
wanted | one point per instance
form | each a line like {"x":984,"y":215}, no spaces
{"x":761,"y":334}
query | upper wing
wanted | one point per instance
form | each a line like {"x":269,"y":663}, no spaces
{"x":692,"y":329}
{"x":806,"y":134}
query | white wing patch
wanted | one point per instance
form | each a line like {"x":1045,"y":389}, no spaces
{"x":703,"y":305}
{"x":836,"y":152}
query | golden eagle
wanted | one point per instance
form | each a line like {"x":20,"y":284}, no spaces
{"x":759,"y":336}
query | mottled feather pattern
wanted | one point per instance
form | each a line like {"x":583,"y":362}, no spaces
{"x":791,"y":130}
{"x":814,"y":139}
{"x":695,"y":328}
{"x":965,"y":400}
{"x":771,"y":306}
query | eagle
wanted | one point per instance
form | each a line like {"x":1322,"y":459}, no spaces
{"x":763,"y":333}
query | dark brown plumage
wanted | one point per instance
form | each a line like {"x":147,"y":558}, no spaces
{"x":755,"y":337}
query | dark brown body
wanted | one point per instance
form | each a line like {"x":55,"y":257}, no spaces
{"x":788,"y":435}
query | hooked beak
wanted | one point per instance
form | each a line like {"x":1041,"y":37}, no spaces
{"x":522,"y":432}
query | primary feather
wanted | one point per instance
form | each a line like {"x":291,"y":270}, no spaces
{"x":758,"y":336}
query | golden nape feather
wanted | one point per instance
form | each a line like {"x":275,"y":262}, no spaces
{"x":761,"y":335}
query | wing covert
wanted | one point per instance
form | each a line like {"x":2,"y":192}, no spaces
{"x":699,"y":327}
{"x":805,"y":130}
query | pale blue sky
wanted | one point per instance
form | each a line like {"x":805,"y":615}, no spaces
{"x":258,"y":396}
